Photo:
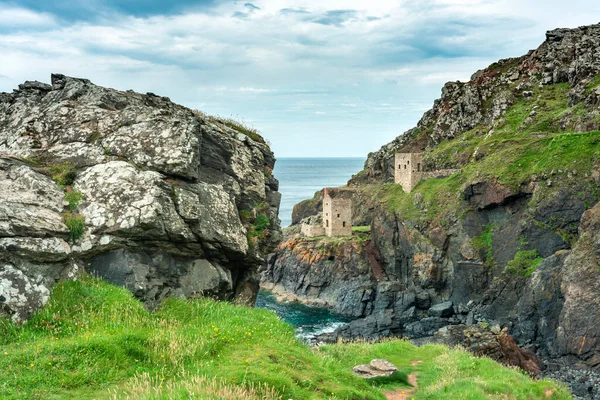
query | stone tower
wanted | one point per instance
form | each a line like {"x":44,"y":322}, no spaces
{"x":408,"y":170}
{"x":337,"y":215}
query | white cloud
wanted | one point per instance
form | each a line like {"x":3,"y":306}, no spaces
{"x":21,"y":17}
{"x":372,"y":69}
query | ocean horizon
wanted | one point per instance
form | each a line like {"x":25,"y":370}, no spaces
{"x":300,"y":177}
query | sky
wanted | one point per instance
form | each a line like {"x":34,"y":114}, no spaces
{"x":318,"y":78}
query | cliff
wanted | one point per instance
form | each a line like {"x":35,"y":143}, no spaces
{"x":509,"y":239}
{"x":131,"y":187}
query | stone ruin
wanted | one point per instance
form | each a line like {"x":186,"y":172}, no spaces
{"x":336,"y":218}
{"x":409,"y":170}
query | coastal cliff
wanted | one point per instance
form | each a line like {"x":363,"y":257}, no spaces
{"x":131,"y":187}
{"x":507,"y":240}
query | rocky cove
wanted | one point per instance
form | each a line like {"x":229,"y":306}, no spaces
{"x":499,"y":254}
{"x":506,"y":246}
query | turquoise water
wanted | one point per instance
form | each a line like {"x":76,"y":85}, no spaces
{"x":308,"y":321}
{"x":300,"y":178}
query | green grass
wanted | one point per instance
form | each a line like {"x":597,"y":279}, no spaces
{"x":485,"y":242}
{"x":76,"y":225}
{"x":63,"y":174}
{"x":239,"y":126}
{"x":95,"y":341}
{"x":74,"y":197}
{"x":362,"y":229}
{"x":430,"y":200}
{"x":519,"y":147}
{"x":525,"y":263}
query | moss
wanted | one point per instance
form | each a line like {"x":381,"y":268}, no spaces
{"x":525,"y":263}
{"x":94,"y":137}
{"x":76,"y":225}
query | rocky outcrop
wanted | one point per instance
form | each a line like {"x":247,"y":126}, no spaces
{"x":567,"y":55}
{"x":133,"y":188}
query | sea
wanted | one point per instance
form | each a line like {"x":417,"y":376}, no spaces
{"x":299,"y":179}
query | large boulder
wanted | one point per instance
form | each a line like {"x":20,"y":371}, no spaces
{"x":130,"y":187}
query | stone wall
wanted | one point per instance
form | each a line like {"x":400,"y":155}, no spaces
{"x":441,"y":173}
{"x":312,"y":230}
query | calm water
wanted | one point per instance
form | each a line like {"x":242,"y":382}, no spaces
{"x":300,"y":178}
{"x":308,"y":321}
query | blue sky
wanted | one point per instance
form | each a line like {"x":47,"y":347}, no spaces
{"x":316,"y":77}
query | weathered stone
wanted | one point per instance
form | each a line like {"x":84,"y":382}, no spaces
{"x":443,"y":310}
{"x":375,"y":368}
{"x":162,"y":188}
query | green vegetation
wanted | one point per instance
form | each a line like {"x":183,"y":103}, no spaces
{"x":76,"y":225}
{"x":95,"y":341}
{"x":534,"y":137}
{"x":239,"y":126}
{"x":485,"y":242}
{"x":431,"y":200}
{"x":94,"y":137}
{"x":74,"y":197}
{"x":257,"y":222}
{"x":361,"y":229}
{"x":63,"y":174}
{"x":593,"y":84}
{"x":525,"y":263}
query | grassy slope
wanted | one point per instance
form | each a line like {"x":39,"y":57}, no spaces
{"x":94,"y":340}
{"x":518,"y":147}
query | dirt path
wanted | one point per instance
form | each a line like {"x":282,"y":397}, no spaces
{"x":404,"y":393}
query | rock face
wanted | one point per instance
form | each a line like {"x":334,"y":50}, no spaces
{"x":158,"y":191}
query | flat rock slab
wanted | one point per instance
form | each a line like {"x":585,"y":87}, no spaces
{"x":376,"y":368}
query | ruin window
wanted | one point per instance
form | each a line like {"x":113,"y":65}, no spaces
{"x":326,"y":214}
{"x":419,"y":167}
{"x":344,"y":224}
{"x":338,"y":215}
{"x":405,"y":167}
{"x":399,"y":166}
{"x":327,"y":223}
{"x":408,"y":163}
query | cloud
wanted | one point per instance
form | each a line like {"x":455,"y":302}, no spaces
{"x":16,"y":17}
{"x":255,"y":90}
{"x":363,"y":66}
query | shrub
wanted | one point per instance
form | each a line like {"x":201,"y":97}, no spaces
{"x":261,"y":222}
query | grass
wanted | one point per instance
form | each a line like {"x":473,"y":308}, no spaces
{"x":519,"y":146}
{"x":525,"y":263}
{"x":239,"y":126}
{"x":430,"y":200}
{"x":76,"y":225}
{"x":361,"y":229}
{"x":485,"y":242}
{"x":73,"y":197}
{"x":95,"y":341}
{"x":63,"y":174}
